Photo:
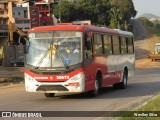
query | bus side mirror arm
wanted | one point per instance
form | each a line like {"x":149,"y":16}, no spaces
{"x":22,"y":37}
{"x":26,"y":49}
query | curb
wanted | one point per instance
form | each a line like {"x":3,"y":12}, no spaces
{"x":11,"y":84}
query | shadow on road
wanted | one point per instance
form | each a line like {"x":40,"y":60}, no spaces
{"x":135,"y":88}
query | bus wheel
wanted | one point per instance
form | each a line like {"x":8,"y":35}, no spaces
{"x":94,"y":92}
{"x":49,"y":94}
{"x":123,"y":84}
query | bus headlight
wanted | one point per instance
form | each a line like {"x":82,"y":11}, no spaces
{"x":29,"y":78}
{"x":76,"y":77}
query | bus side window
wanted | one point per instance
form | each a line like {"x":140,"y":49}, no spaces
{"x":98,"y":44}
{"x":116,"y":46}
{"x":123,"y":45}
{"x":130,"y":45}
{"x":107,"y":44}
{"x":88,"y":47}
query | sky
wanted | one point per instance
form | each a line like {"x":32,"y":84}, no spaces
{"x":147,"y":6}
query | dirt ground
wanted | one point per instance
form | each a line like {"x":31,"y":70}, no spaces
{"x":11,"y":75}
{"x":142,"y":49}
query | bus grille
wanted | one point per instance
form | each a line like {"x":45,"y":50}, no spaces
{"x":50,"y":73}
{"x":51,"y":88}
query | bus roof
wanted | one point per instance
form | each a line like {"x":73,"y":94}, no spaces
{"x":124,"y":32}
{"x":80,"y":28}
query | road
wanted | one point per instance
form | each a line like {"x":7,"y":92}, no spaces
{"x":143,"y":86}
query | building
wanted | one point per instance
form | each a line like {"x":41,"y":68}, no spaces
{"x":5,"y":15}
{"x":155,"y":20}
{"x":40,"y":13}
{"x":3,"y":20}
{"x":58,"y":1}
{"x":21,"y":16}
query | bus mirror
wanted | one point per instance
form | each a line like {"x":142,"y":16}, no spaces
{"x":27,"y":47}
{"x":88,"y":44}
{"x":22,"y":37}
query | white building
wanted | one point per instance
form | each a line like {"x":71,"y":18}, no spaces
{"x":155,"y":20}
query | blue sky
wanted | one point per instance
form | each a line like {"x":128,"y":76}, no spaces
{"x":147,"y":6}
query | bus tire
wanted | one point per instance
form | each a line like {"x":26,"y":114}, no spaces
{"x":123,"y":84}
{"x":49,"y":94}
{"x":94,"y":92}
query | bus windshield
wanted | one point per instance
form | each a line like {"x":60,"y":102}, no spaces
{"x":54,"y":48}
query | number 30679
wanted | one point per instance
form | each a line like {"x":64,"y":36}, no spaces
{"x":62,"y":77}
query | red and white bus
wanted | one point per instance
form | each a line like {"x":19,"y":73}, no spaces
{"x":77,"y":58}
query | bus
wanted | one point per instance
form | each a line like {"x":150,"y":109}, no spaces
{"x":74,"y":59}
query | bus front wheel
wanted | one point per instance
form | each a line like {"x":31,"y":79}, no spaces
{"x":94,"y":92}
{"x":49,"y":94}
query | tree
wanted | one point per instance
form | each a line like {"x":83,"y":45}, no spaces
{"x":126,"y":7}
{"x":115,"y":18}
{"x":95,"y":10}
{"x":113,"y":13}
{"x":64,"y":11}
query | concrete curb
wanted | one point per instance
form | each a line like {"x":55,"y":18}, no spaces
{"x":11,"y":84}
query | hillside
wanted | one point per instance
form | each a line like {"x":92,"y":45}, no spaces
{"x":139,"y":30}
{"x":144,"y":44}
{"x":148,"y":15}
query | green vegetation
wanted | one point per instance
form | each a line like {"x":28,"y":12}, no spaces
{"x":151,"y":106}
{"x":151,"y":27}
{"x":64,"y":11}
{"x":111,"y":13}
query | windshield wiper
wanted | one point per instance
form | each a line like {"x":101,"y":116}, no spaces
{"x":45,"y":55}
{"x":48,"y":51}
{"x":42,"y":58}
{"x":61,"y":57}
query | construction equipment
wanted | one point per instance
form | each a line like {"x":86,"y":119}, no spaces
{"x":155,"y":56}
{"x":17,"y":57}
{"x":12,"y":28}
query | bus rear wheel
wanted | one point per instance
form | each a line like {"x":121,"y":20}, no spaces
{"x":123,"y":84}
{"x":49,"y":94}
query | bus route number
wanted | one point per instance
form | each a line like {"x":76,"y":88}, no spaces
{"x":62,"y":77}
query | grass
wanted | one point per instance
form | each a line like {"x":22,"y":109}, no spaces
{"x":151,"y":106}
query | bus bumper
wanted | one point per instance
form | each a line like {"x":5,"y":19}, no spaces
{"x":70,"y":86}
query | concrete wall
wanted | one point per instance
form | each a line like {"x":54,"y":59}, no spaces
{"x":20,"y":12}
{"x":24,"y":25}
{"x":3,"y":41}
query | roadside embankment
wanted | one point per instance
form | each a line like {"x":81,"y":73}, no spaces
{"x":11,"y":75}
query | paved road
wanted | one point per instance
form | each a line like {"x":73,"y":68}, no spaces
{"x":144,"y":85}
